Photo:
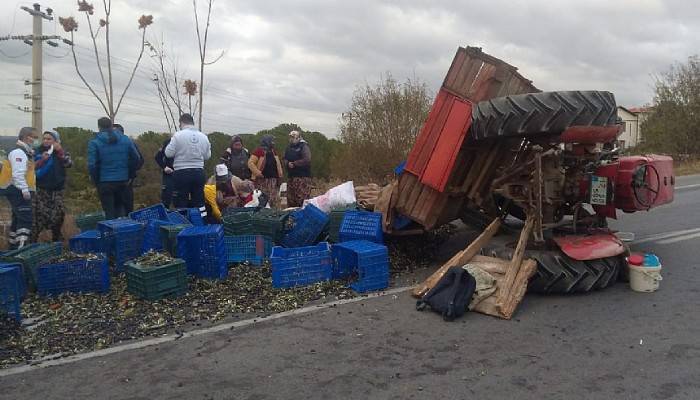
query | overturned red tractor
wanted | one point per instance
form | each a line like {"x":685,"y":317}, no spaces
{"x":495,"y":146}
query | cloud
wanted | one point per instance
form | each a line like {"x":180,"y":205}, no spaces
{"x":299,"y":61}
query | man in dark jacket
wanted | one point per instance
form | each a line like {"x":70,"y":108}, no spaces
{"x":110,"y":154}
{"x":134,"y":167}
{"x":50,"y":163}
{"x":166,"y":166}
{"x":297,"y":160}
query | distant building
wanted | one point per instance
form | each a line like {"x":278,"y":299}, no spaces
{"x":632,"y":120}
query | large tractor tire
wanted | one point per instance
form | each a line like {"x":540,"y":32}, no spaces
{"x":546,"y":113}
{"x":559,"y":274}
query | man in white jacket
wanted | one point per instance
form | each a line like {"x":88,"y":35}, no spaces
{"x":18,"y":181}
{"x":189,"y":148}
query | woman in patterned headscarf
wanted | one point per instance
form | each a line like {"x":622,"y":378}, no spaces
{"x":266,"y":169}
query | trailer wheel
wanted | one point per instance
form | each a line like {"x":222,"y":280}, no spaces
{"x":546,"y":113}
{"x":558,"y":273}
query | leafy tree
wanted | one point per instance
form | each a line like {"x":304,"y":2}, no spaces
{"x":673,"y":125}
{"x":380,"y":127}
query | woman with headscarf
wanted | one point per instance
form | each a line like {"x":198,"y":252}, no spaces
{"x":50,"y":163}
{"x":266,"y":169}
{"x":297,"y":160}
{"x":236,"y":158}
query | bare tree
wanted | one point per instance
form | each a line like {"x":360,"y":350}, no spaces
{"x":167,"y":82}
{"x":202,"y":42}
{"x":106,"y":100}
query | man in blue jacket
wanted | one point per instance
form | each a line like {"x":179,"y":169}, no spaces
{"x":110,"y":154}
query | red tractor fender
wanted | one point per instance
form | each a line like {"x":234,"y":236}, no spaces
{"x":590,"y":247}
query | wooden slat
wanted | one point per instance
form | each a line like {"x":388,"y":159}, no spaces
{"x":517,"y":260}
{"x":459,"y":259}
{"x":457,"y":64}
{"x":486,"y":169}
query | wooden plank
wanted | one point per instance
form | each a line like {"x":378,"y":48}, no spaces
{"x":457,"y":64}
{"x":475,"y":167}
{"x":406,"y":183}
{"x":479,"y":88}
{"x":517,"y":260}
{"x":412,"y":198}
{"x":486,"y":169}
{"x":459,"y":259}
{"x":517,"y":291}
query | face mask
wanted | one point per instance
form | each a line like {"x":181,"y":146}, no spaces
{"x":36,"y":144}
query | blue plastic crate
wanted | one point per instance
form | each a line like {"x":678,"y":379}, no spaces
{"x":253,"y":249}
{"x":177,"y":218}
{"x":361,"y":256}
{"x":11,"y":283}
{"x":300,"y":266}
{"x":195,"y":216}
{"x":144,"y":215}
{"x":31,"y":257}
{"x":87,"y":242}
{"x":75,"y":276}
{"x":22,"y":274}
{"x":306,"y":226}
{"x":152,"y":239}
{"x":202,"y":248}
{"x":361,"y":225}
{"x":371,"y":284}
{"x":123,"y":239}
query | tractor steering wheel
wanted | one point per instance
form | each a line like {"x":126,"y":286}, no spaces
{"x":641,"y":187}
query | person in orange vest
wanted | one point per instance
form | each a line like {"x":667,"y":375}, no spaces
{"x":18,"y":182}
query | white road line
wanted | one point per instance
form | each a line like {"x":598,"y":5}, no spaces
{"x":666,"y":235}
{"x":687,"y":186}
{"x":169,"y":338}
{"x":679,"y":239}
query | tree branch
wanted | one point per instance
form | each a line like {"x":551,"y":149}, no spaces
{"x":217,"y":58}
{"x":108,"y":9}
{"x":133,"y":72}
{"x":110,"y":104}
{"x":85,"y":82}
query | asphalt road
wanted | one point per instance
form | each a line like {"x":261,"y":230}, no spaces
{"x":613,"y":344}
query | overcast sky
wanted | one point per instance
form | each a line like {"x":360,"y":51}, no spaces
{"x":299,"y":61}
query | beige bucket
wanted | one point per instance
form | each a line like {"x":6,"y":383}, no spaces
{"x":644,"y":279}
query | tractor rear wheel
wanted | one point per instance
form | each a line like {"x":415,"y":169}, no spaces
{"x":558,"y":273}
{"x":546,"y":113}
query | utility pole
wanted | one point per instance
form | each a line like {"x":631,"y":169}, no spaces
{"x":36,"y":40}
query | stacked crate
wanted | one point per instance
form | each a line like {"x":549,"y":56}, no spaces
{"x":75,"y":276}
{"x":156,"y":282}
{"x":168,"y":236}
{"x":31,"y":257}
{"x":239,"y":221}
{"x":202,"y":248}
{"x":270,"y":223}
{"x":305,"y":226}
{"x":152,"y":239}
{"x":300,"y":266}
{"x":144,"y":215}
{"x":123,"y":240}
{"x":11,"y":289}
{"x":369,"y":260}
{"x":361,"y":225}
{"x":89,"y":221}
{"x":87,"y":242}
{"x":252,"y":249}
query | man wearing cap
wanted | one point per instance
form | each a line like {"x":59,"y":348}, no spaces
{"x":17,"y":182}
{"x":297,"y":160}
{"x":50,"y":163}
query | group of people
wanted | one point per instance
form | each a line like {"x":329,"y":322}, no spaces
{"x":33,"y":176}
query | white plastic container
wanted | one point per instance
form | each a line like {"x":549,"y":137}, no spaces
{"x":645,"y":278}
